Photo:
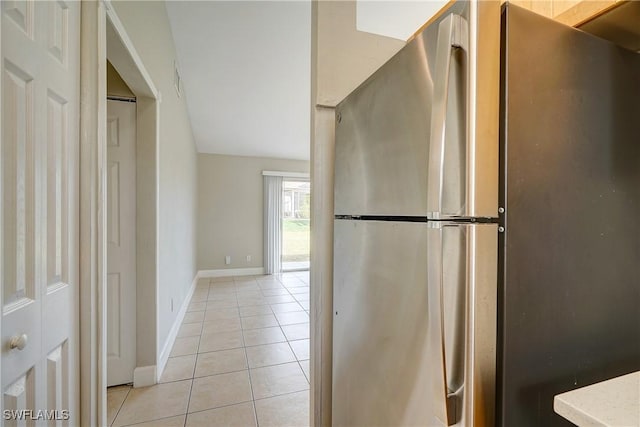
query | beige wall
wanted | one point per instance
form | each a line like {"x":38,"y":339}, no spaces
{"x":230,"y":208}
{"x":147,"y":25}
{"x":342,"y":56}
{"x":115,"y":85}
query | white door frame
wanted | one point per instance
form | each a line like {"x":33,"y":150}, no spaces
{"x":125,"y":59}
{"x":99,"y":24}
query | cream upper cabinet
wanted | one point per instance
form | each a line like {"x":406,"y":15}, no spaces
{"x":570,"y":12}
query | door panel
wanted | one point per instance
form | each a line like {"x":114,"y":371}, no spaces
{"x":57,"y":194}
{"x":20,"y":395}
{"x":39,"y":180}
{"x":57,"y":377}
{"x":18,"y":184}
{"x":57,"y":30}
{"x":121,"y":242}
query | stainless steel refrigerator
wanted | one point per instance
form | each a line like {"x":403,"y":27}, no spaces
{"x":487,"y":226}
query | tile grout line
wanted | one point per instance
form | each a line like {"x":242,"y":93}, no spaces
{"x":246,"y":358}
{"x":286,"y":339}
{"x":217,"y":407}
{"x":285,"y":394}
{"x":193,"y":373}
{"x":234,"y":292}
{"x":289,"y":341}
{"x":121,"y":405}
{"x":152,"y":421}
{"x":294,"y":353}
{"x":240,"y":370}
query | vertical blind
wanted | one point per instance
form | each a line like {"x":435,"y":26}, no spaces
{"x":272,"y":224}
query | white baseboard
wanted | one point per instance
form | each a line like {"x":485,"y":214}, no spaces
{"x":144,"y":376}
{"x":226,"y":272}
{"x":173,"y":333}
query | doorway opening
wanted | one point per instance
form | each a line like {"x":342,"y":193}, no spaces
{"x":130,"y":150}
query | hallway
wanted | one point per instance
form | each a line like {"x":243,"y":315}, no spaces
{"x":241,"y":358}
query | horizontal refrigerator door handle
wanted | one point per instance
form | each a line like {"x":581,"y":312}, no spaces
{"x":453,"y":33}
{"x":441,"y":398}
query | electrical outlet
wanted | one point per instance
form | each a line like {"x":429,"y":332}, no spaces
{"x":227,"y":259}
{"x":248,"y":258}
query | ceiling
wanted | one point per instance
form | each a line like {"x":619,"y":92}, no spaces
{"x":245,"y":69}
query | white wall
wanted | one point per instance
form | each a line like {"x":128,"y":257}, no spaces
{"x":230,"y":208}
{"x":147,"y":25}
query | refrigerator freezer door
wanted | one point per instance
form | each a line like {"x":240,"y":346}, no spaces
{"x":414,"y":324}
{"x":383,"y":128}
{"x":571,"y":190}
{"x":382,"y":139}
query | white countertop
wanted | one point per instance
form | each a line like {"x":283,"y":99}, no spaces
{"x":611,"y":403}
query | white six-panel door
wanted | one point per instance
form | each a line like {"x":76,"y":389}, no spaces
{"x":40,"y":181}
{"x":121,"y":249}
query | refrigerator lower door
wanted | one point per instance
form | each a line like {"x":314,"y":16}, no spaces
{"x":414,"y":324}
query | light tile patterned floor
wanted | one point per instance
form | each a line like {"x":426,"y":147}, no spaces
{"x":241,"y":359}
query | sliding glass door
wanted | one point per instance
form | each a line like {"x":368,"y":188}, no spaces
{"x":296,"y":207}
